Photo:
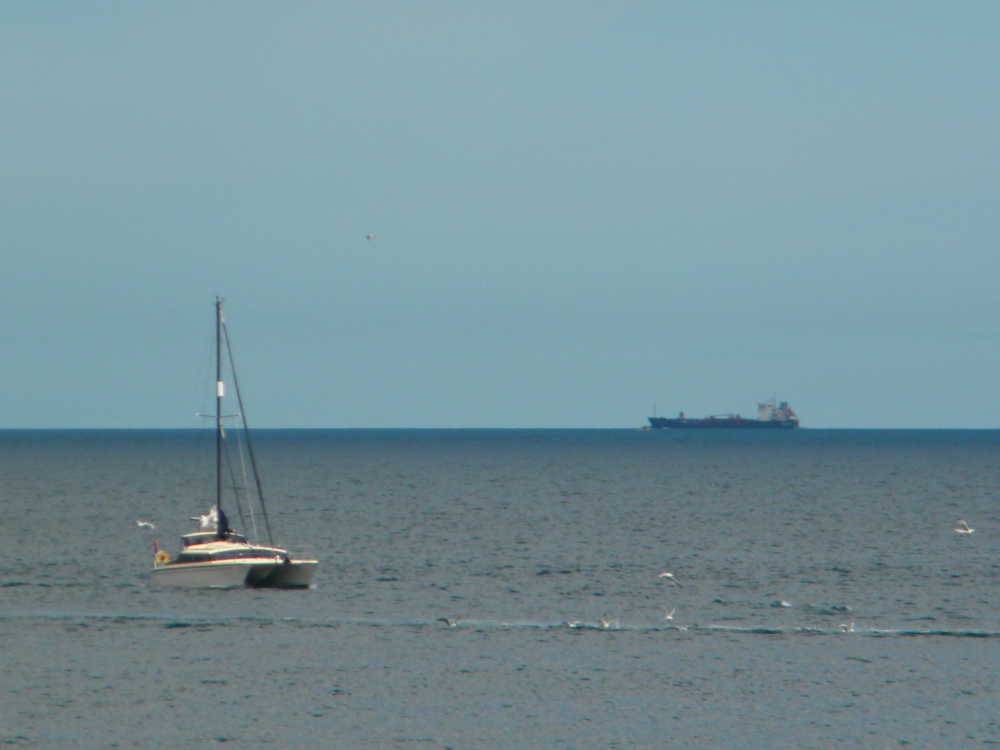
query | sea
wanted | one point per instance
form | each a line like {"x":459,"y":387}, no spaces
{"x":504,"y":589}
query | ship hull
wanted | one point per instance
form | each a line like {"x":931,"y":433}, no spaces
{"x":723,"y":423}
{"x":223,"y":574}
{"x":213,"y":575}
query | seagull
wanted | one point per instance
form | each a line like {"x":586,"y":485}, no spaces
{"x":371,"y":237}
{"x":845,"y":628}
{"x":668,"y":615}
{"x":606,"y":623}
{"x":670,"y":577}
{"x":209,"y":521}
{"x":144,"y":525}
{"x":449,"y":623}
{"x":963,"y":527}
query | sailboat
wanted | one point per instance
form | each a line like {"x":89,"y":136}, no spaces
{"x":216,"y":556}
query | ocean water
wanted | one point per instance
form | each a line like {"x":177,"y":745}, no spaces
{"x":825,"y":600}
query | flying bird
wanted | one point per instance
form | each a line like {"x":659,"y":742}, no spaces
{"x":668,"y":615}
{"x":963,"y":527}
{"x":670,"y":577}
{"x":144,"y":525}
{"x":371,"y":237}
{"x":450,"y":623}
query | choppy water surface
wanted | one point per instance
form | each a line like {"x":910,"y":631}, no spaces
{"x":826,"y":600}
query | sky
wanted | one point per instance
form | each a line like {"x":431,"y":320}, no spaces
{"x":584,"y":211}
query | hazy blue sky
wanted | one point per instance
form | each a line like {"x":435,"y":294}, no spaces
{"x":583,"y":209}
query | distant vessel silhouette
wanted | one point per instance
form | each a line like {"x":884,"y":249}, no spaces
{"x":769,"y":416}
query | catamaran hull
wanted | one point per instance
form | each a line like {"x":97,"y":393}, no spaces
{"x":235,"y":574}
{"x":295,"y":574}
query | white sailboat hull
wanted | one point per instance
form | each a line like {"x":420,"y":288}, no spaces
{"x":294,"y":574}
{"x":235,"y":574}
{"x":221,"y":575}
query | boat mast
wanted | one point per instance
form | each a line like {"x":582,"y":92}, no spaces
{"x":219,"y":392}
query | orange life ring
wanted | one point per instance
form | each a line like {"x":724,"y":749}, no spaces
{"x":161,"y":557}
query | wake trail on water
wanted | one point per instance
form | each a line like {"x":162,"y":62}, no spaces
{"x":478,"y":625}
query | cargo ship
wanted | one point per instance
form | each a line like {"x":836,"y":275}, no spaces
{"x":770,"y":416}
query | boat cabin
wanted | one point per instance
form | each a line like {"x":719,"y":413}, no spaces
{"x":223,"y":551}
{"x":205,"y":537}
